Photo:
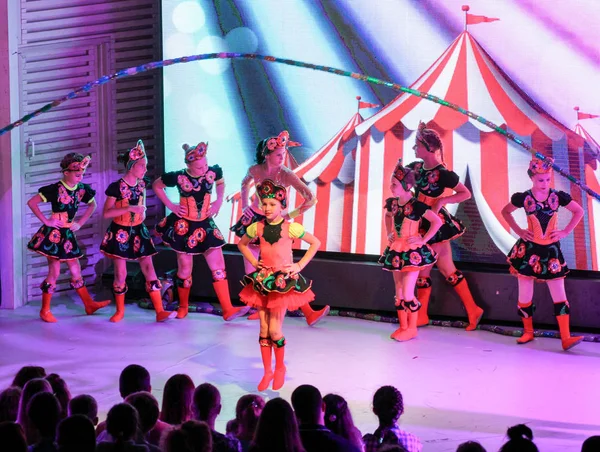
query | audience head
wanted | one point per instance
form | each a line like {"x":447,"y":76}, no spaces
{"x":392,"y":448}
{"x":43,"y":413}
{"x":277,"y":428}
{"x":147,"y":408}
{"x":12,"y":437}
{"x":191,"y":436}
{"x":388,"y":405}
{"x":470,"y":446}
{"x":308,"y":405}
{"x":338,"y":418}
{"x":27,"y":373}
{"x":207,"y":402}
{"x":520,"y":439}
{"x":247,"y":412}
{"x":76,"y":433}
{"x":592,"y":444}
{"x":9,"y":403}
{"x":177,"y":400}
{"x":122,"y":422}
{"x":84,"y":404}
{"x":61,"y":391}
{"x":32,"y":387}
{"x":134,"y":378}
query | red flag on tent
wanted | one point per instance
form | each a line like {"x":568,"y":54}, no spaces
{"x":473,"y":19}
{"x":367,"y":105}
{"x":586,"y":116}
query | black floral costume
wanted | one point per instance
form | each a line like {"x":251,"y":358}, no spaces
{"x":127,"y":237}
{"x":430,"y":184}
{"x":196,"y":233}
{"x":400,"y":255}
{"x":542,"y":258}
{"x":61,"y":243}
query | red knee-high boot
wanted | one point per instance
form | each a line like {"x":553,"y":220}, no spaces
{"x":153,"y":289}
{"x":402,"y":317}
{"x":313,"y":317}
{"x":47,"y":291}
{"x":526,"y":311}
{"x":411,"y":309}
{"x":90,"y":305}
{"x":183,"y":292}
{"x":474,"y":312}
{"x":423,"y":295}
{"x":266,"y":349}
{"x":120,"y":302}
{"x":279,"y":376}
{"x":561,"y":311}
{"x":221,"y":287}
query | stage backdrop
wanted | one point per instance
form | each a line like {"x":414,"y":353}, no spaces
{"x":347,"y":154}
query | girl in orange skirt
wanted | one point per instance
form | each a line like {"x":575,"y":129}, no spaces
{"x":277,"y":284}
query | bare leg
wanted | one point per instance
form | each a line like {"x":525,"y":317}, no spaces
{"x":409,"y":280}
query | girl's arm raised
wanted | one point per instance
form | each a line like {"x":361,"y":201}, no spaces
{"x":577,"y":212}
{"x":243,"y":247}
{"x":506,"y":212}
{"x":33,"y":205}
{"x":159,"y":188}
{"x":314,"y":243}
{"x":215,"y":206}
{"x":461,"y":193}
{"x":91,"y":207}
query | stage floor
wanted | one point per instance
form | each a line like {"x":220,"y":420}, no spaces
{"x":457,"y":386}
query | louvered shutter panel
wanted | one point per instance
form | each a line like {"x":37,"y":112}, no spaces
{"x":49,"y":71}
{"x":132,"y":27}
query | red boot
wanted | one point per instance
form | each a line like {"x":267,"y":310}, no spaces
{"x":474,"y":312}
{"x":153,"y":289}
{"x":526,"y":311}
{"x":183,"y":291}
{"x":229,"y":312}
{"x":402,"y":318}
{"x":423,"y":294}
{"x":279,"y":376}
{"x":266,"y":348}
{"x":411,"y":310}
{"x":314,"y":317}
{"x":561,"y":311}
{"x":120,"y":302}
{"x":47,"y":291}
{"x":91,"y":306}
{"x":254,"y":316}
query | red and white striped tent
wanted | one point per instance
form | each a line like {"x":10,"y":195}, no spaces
{"x":466,"y":75}
{"x":592,"y":180}
{"x":329,"y":173}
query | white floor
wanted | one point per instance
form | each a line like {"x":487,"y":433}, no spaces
{"x":457,"y":385}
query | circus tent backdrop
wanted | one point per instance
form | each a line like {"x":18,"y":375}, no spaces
{"x":592,"y":180}
{"x":329,"y":173}
{"x":467,"y":75}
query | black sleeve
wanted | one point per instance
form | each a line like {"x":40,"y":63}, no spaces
{"x":518,"y":199}
{"x":89,"y":194}
{"x":170,"y":179}
{"x":113,"y":190}
{"x":218,"y":172}
{"x":563,"y":198}
{"x":419,"y":208}
{"x":49,"y":192}
{"x":448,"y":178}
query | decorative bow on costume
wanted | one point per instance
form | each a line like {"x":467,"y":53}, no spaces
{"x":81,"y":165}
{"x":280,"y":141}
{"x":136,"y":153}
{"x":196,"y":153}
{"x":538,"y":166}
